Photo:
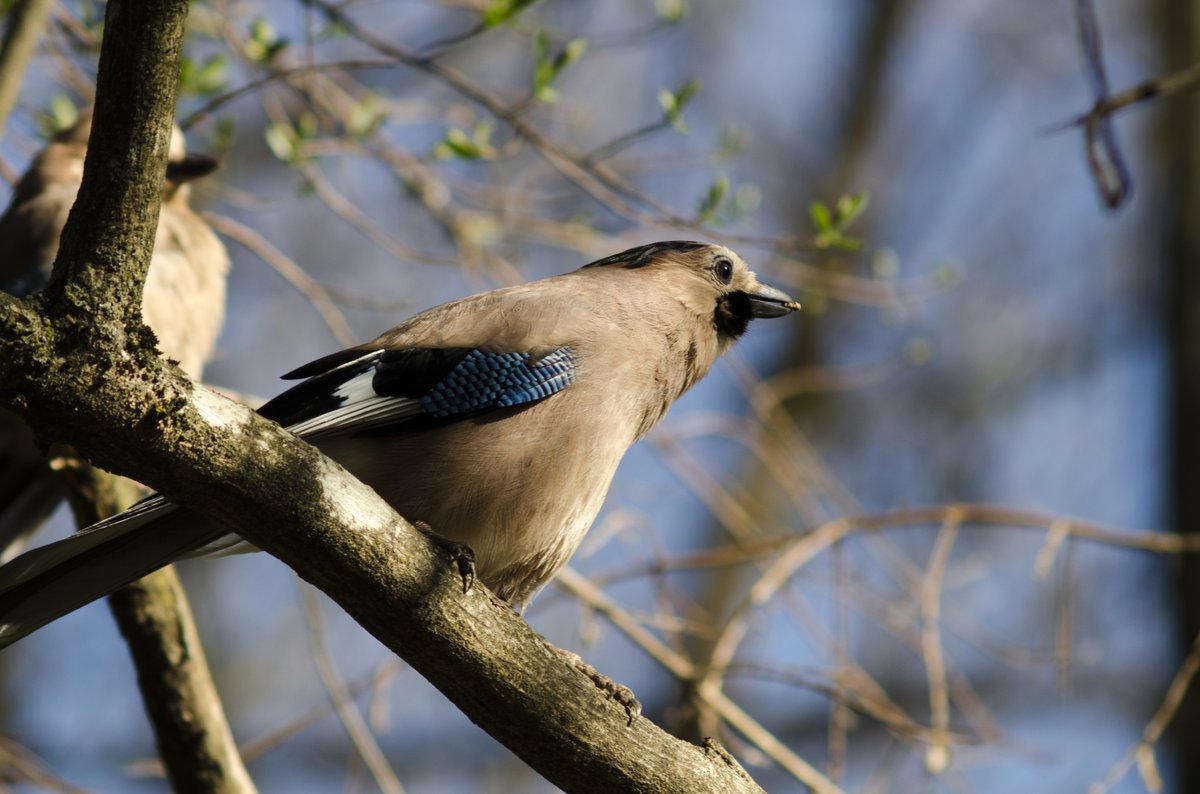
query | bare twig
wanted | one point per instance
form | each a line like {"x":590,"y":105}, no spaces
{"x":291,"y":272}
{"x":26,"y":20}
{"x":597,"y":181}
{"x":937,"y":755}
{"x":217,"y":102}
{"x":803,"y":549}
{"x":1104,"y":157}
{"x":339,"y":693}
{"x":1064,"y":609}
{"x":1156,"y":726}
{"x":260,"y":745}
{"x":729,"y":711}
{"x":21,"y":767}
{"x":1184,"y":80}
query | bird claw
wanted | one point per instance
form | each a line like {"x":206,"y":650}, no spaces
{"x":460,"y":554}
{"x":622,"y":694}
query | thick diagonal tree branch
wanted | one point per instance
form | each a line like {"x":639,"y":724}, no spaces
{"x":78,"y":364}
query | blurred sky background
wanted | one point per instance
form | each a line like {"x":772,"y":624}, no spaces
{"x":1009,"y":349}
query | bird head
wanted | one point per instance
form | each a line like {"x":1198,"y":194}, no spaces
{"x":184,"y":166}
{"x":709,"y":280}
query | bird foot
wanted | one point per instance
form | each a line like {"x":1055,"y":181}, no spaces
{"x":618,"y":692}
{"x":460,"y":554}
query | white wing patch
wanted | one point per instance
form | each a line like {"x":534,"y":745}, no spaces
{"x":361,"y":408}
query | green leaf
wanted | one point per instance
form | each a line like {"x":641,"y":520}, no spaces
{"x":264,"y":43}
{"x":850,"y":207}
{"x":282,"y":141}
{"x":497,"y":12}
{"x":574,"y":50}
{"x":673,"y":102}
{"x":734,"y":140}
{"x":214,"y":74}
{"x":63,"y":113}
{"x":945,"y":276}
{"x":831,"y":225}
{"x":547,"y":65}
{"x":365,"y":117}
{"x":458,"y":144}
{"x":918,"y":351}
{"x":543,"y":70}
{"x":222,"y":138}
{"x":204,"y":79}
{"x":822,"y":218}
{"x":286,"y":141}
{"x":671,"y":11}
{"x":712,"y":199}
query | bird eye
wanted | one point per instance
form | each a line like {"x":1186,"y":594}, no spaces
{"x":723,"y":269}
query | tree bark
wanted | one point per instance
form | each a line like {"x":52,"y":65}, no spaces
{"x":1180,"y":25}
{"x":193,"y":736}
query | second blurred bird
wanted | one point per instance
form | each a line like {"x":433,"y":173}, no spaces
{"x":183,"y":300}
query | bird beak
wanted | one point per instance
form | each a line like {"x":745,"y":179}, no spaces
{"x":769,"y":302}
{"x":192,"y":166}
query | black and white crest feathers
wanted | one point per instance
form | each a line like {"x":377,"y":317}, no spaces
{"x":643,"y":255}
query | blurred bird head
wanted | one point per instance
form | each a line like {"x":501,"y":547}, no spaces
{"x":182,"y":166}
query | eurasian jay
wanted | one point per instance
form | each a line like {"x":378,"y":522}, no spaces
{"x":183,"y":300}
{"x":498,"y":420}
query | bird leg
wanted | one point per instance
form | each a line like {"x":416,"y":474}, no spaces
{"x":618,"y":692}
{"x":461,"y":554}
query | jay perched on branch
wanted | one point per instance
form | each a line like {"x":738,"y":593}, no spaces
{"x":498,"y":420}
{"x":183,"y":301}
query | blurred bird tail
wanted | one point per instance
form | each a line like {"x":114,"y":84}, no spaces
{"x":29,"y":491}
{"x":28,"y":495}
{"x":52,"y":580}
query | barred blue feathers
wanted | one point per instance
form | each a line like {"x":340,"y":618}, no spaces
{"x":501,"y":380}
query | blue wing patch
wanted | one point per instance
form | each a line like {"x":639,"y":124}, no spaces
{"x":359,"y":392}
{"x":499,"y":380}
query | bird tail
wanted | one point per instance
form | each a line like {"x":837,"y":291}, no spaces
{"x":28,"y":489}
{"x":48,"y":582}
{"x":28,"y":495}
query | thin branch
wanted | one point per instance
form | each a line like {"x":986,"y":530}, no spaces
{"x":26,"y":21}
{"x":339,"y":694}
{"x":937,"y":755}
{"x":1104,"y":157}
{"x":1158,"y":723}
{"x":21,"y":767}
{"x":1184,"y":80}
{"x":861,"y":694}
{"x":595,"y":180}
{"x":291,"y":272}
{"x":763,"y":739}
{"x":801,"y":550}
{"x":984,"y":515}
{"x":261,"y":745}
{"x":217,"y":102}
{"x":345,"y":209}
{"x":623,"y":141}
{"x":840,"y":721}
{"x":1064,"y":609}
